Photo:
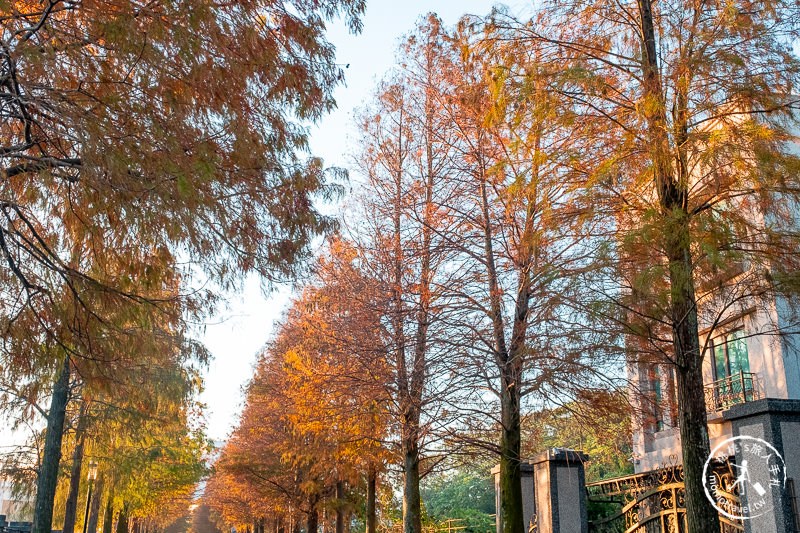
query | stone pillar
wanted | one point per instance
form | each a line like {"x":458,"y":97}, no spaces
{"x":560,"y":491}
{"x":527,"y":495}
{"x":776,"y":421}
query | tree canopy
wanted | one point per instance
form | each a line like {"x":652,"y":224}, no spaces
{"x":150,"y":150}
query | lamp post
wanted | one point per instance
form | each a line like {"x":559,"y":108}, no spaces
{"x":91,"y":477}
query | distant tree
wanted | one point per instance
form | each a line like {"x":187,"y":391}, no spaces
{"x":143,"y":433}
{"x":597,"y":423}
{"x":269,"y":466}
{"x":340,"y":377}
{"x":466,"y":494}
{"x":313,"y":429}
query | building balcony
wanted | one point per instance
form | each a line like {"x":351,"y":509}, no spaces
{"x":737,"y":388}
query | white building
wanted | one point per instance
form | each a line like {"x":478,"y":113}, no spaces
{"x":14,"y":508}
{"x":747,"y":359}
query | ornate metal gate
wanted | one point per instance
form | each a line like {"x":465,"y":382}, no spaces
{"x":653,"y":502}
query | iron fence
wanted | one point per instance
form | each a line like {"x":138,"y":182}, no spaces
{"x":654,"y":502}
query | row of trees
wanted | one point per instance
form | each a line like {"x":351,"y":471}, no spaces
{"x":543,"y":200}
{"x":422,"y":313}
{"x":310,"y":437}
{"x":137,"y":447}
{"x":151,"y":155}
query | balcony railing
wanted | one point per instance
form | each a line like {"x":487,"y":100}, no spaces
{"x":737,"y":388}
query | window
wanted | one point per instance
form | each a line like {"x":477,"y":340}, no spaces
{"x":659,"y":399}
{"x":665,"y":400}
{"x":734,"y":383}
{"x":730,"y":355}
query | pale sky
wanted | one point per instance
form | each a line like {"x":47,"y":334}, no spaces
{"x":237,"y":335}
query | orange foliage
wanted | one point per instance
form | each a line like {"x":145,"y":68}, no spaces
{"x":316,"y":411}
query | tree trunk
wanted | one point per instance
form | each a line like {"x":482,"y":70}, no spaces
{"x":510,"y":369}
{"x":510,"y":469}
{"x":412,"y":522}
{"x":701,"y":515}
{"x":372,"y":478}
{"x":94,"y":509}
{"x":48,"y":475}
{"x":312,"y":525}
{"x":122,"y":521}
{"x":511,"y":395}
{"x":412,"y":505}
{"x":339,"y":507}
{"x":412,"y":509}
{"x":108,"y":519}
{"x":71,"y":508}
